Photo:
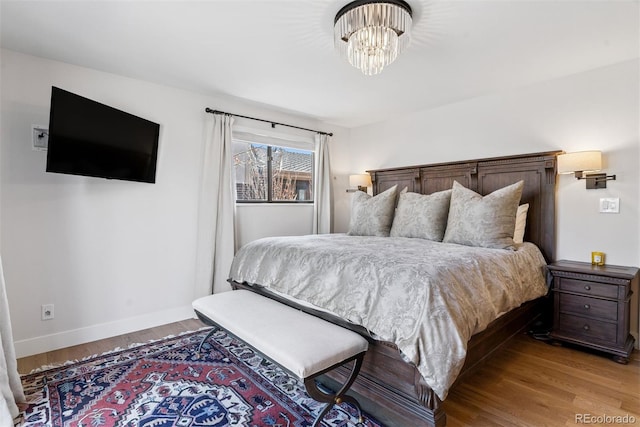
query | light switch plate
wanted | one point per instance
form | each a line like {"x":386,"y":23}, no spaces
{"x":610,"y":205}
{"x":40,"y":137}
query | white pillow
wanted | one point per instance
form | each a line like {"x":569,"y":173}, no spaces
{"x":521,"y":222}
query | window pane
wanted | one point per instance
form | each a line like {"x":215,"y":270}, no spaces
{"x":292,"y":174}
{"x":250,"y":163}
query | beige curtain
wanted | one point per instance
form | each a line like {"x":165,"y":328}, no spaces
{"x":216,"y":211}
{"x":322,"y":189}
{"x":10,"y":385}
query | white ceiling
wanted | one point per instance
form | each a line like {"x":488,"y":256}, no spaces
{"x":281,"y":53}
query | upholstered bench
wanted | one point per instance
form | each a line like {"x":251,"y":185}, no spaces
{"x":304,"y":345}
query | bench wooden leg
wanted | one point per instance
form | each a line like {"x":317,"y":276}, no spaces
{"x":335,"y":398}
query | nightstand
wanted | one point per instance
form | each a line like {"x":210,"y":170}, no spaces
{"x":591,"y":306}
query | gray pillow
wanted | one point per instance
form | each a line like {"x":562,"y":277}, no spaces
{"x":486,"y":221}
{"x":372,"y":216}
{"x":422,"y":216}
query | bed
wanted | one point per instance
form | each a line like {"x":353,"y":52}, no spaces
{"x":396,"y":386}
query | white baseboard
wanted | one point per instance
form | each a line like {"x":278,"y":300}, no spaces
{"x":100,"y":331}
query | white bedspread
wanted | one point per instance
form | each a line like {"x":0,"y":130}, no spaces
{"x":428,"y":298}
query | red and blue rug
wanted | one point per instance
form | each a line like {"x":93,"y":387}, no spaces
{"x":165,"y":383}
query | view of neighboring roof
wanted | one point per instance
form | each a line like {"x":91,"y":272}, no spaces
{"x":283,"y":159}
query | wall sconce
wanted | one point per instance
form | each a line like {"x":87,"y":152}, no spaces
{"x":585,"y":161}
{"x":361,"y":182}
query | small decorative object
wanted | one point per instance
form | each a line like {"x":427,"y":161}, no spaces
{"x":597,"y":258}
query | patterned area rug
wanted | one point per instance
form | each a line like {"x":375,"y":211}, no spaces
{"x":165,"y":383}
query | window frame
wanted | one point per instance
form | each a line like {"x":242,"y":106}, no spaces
{"x":269,"y":177}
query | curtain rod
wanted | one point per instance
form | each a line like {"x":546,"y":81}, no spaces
{"x":273,"y":124}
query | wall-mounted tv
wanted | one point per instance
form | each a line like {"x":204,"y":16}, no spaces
{"x":92,"y":139}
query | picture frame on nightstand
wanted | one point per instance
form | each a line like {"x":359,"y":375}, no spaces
{"x":597,"y":258}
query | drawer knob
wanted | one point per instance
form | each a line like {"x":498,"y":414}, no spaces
{"x":587,"y":287}
{"x":587,"y":306}
{"x":586,"y":327}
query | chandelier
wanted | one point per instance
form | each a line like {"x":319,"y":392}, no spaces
{"x":371,"y":34}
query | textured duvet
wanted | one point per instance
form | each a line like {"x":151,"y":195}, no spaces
{"x":427,"y":297}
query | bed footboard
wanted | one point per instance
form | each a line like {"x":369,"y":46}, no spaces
{"x":392,"y":390}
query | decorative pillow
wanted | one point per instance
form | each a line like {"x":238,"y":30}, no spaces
{"x":487,"y":221}
{"x":400,"y":193}
{"x":372,"y":216}
{"x":422,"y":216}
{"x":521,"y":223}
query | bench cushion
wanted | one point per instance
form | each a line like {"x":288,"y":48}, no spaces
{"x":302,"y":343}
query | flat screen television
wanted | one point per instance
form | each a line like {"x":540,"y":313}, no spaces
{"x":92,"y":139}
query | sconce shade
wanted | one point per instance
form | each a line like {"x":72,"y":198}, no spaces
{"x":581,"y":161}
{"x":361,"y":180}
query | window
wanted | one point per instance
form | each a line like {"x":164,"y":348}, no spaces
{"x":272,"y":174}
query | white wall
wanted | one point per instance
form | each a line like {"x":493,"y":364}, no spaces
{"x":113,"y":256}
{"x":597,"y":110}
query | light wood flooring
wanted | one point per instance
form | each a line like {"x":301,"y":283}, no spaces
{"x":27,"y":364}
{"x":527,"y":383}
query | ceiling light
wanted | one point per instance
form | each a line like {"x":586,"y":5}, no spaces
{"x":371,"y":34}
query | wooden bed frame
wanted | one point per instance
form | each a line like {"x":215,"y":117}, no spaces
{"x":391,"y":389}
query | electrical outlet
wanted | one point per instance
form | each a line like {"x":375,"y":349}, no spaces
{"x":47,"y":311}
{"x":610,"y":205}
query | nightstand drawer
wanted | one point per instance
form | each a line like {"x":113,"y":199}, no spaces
{"x":588,"y":288}
{"x":586,"y":306}
{"x":588,"y":328}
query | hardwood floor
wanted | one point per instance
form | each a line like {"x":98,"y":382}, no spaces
{"x":27,"y":364}
{"x":532,"y":383}
{"x":528,"y":383}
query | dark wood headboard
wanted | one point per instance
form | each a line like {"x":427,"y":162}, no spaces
{"x":537,"y":170}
